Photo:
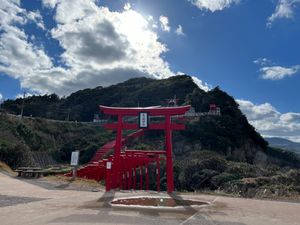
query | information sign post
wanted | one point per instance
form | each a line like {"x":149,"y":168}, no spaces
{"x":74,"y":163}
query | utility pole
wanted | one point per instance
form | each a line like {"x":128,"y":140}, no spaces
{"x":23,"y":102}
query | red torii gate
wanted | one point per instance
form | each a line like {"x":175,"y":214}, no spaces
{"x":127,"y":162}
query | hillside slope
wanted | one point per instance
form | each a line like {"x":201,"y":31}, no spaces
{"x":21,"y":140}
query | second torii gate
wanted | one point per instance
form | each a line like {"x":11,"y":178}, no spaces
{"x":144,"y":123}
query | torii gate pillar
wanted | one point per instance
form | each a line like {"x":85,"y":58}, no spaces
{"x":170,"y":178}
{"x":117,"y":155}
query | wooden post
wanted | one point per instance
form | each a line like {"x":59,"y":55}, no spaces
{"x":74,"y":172}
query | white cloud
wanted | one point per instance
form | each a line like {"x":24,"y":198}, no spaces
{"x":278,"y":72}
{"x":258,"y":112}
{"x":164,"y":23}
{"x":50,"y":3}
{"x":262,"y":61}
{"x":104,"y":40}
{"x":127,"y":6}
{"x":290,"y":117}
{"x":100,"y":47}
{"x":37,"y":18}
{"x":1,"y":98}
{"x":10,"y":12}
{"x":179,"y":30}
{"x":269,"y":71}
{"x":21,"y":95}
{"x":213,"y":5}
{"x":270,"y":122}
{"x":18,"y":56}
{"x":203,"y":85}
{"x":284,"y":9}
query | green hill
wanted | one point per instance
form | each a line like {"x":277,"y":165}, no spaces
{"x":226,"y":133}
{"x":214,"y":152}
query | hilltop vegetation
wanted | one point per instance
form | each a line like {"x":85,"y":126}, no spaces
{"x":83,"y":104}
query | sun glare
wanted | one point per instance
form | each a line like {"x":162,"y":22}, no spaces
{"x":134,"y":26}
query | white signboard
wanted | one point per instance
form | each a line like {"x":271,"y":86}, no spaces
{"x":108,"y":165}
{"x":74,"y":158}
{"x":143,"y":120}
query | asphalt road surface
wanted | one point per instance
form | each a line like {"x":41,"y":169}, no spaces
{"x":22,"y":203}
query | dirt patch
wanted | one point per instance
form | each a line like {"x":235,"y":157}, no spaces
{"x":158,"y":202}
{"x":6,"y":169}
{"x":65,"y":183}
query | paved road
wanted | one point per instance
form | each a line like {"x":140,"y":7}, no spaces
{"x":22,"y":203}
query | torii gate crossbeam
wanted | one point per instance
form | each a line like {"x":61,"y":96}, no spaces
{"x":167,"y":125}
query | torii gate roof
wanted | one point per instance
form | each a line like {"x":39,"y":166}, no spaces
{"x":152,"y":110}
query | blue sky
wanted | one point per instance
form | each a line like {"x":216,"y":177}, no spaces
{"x":250,"y":48}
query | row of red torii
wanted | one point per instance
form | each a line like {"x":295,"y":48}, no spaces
{"x":123,"y":167}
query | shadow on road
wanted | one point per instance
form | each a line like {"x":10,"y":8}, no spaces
{"x":54,"y":185}
{"x":199,"y":217}
{"x":178,"y":199}
{"x":106,"y":198}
